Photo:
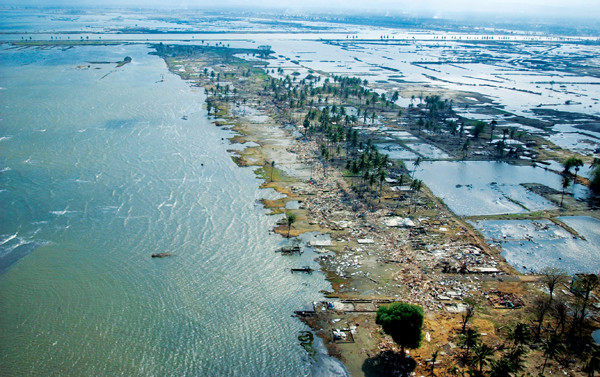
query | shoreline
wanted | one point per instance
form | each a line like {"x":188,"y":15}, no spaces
{"x":440,"y":262}
{"x":367,"y":262}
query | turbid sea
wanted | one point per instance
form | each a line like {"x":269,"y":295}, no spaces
{"x":99,"y":168}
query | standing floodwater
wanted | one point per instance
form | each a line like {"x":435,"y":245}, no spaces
{"x":99,"y":168}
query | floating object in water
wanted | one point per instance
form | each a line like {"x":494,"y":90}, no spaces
{"x":162,"y":255}
{"x":305,"y":269}
{"x":293,"y":249}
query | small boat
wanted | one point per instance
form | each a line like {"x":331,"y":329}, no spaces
{"x":304,"y":269}
{"x":162,"y":255}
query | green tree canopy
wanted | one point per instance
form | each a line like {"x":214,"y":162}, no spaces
{"x":595,"y":180}
{"x":572,"y":162}
{"x":478,"y":129}
{"x":291,"y":219}
{"x":403,"y":322}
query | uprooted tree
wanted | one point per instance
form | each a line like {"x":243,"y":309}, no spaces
{"x":403,"y":322}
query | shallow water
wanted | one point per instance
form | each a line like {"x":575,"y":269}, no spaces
{"x":98,"y":172}
{"x":530,"y":246}
{"x":576,"y":140}
{"x":428,"y":151}
{"x":486,"y":187}
{"x":596,"y":336}
{"x":396,"y":151}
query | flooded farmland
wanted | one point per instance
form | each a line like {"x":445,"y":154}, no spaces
{"x":530,"y":245}
{"x":486,"y":187}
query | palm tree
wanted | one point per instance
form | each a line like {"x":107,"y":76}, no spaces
{"x":515,"y":357}
{"x":572,"y":162}
{"x":551,"y":347}
{"x":501,"y":368}
{"x":385,"y":159}
{"x":272,"y":169}
{"x":469,"y":340}
{"x":467,"y":315}
{"x":540,"y":308}
{"x":520,"y":334}
{"x":420,"y":123}
{"x":481,"y":353}
{"x":291,"y":219}
{"x":593,"y":364}
{"x":400,"y":182}
{"x":565,"y":182}
{"x":415,"y":186}
{"x":595,"y":178}
{"x":416,"y":164}
{"x":478,"y":129}
{"x":434,"y":356}
{"x":382,"y":174}
{"x":465,"y":147}
{"x":493,"y":125}
{"x":585,"y":286}
{"x":372,"y":179}
{"x":560,"y":310}
{"x":500,"y":149}
{"x":365,"y":178}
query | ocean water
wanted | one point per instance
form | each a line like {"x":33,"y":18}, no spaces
{"x":98,"y":170}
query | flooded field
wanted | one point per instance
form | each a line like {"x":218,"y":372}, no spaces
{"x":532,"y":245}
{"x":584,"y":141}
{"x":485,"y":187}
{"x":396,"y":151}
{"x":496,"y":71}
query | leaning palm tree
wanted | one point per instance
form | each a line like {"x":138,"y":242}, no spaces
{"x":572,"y":162}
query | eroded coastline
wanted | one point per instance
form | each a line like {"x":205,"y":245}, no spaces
{"x":369,"y":257}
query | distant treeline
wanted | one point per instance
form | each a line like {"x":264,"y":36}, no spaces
{"x":571,"y":27}
{"x":171,"y":50}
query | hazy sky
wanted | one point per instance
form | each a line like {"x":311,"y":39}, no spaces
{"x":589,"y":8}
